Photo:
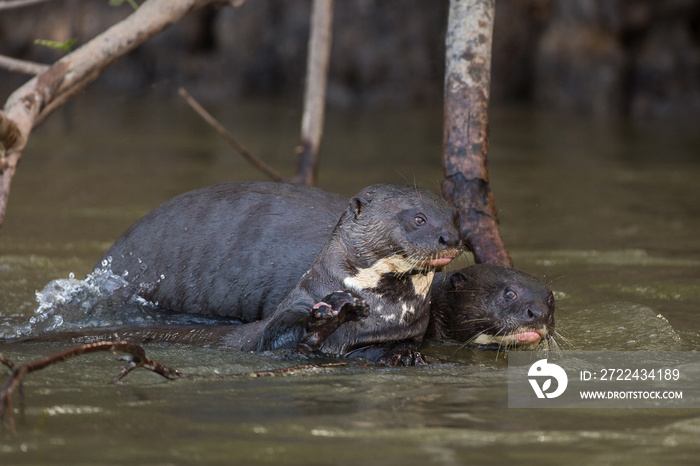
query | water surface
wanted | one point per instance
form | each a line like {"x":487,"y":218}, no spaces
{"x":606,"y":212}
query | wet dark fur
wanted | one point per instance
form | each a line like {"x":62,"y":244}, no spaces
{"x":233,"y":250}
{"x":491,"y":301}
{"x":238,"y":249}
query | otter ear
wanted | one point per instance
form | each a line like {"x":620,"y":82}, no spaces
{"x":458,"y":280}
{"x":358,"y":204}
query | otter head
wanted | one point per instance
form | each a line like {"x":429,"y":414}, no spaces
{"x":397,"y":231}
{"x":407,"y":223}
{"x":488,"y":305}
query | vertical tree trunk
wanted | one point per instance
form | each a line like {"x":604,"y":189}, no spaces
{"x":466,"y":141}
{"x":320,"y":39}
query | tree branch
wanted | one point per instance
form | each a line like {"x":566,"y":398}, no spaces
{"x":11,"y":4}
{"x":466,"y":142}
{"x":136,"y":359}
{"x":256,"y":162}
{"x":36,"y":99}
{"x":320,"y":39}
{"x":22,"y":66}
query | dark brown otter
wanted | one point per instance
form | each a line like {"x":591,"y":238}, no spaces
{"x":489,"y":305}
{"x":386,"y":248}
{"x":238,"y":249}
{"x":232,"y":250}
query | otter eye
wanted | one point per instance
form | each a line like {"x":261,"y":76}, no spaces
{"x":550,"y":300}
{"x":419,"y":220}
{"x":510,"y":295}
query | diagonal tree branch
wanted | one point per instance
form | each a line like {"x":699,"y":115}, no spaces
{"x":12,"y":4}
{"x":245,"y":153}
{"x":41,"y":95}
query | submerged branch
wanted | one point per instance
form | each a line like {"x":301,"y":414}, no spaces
{"x":136,"y":359}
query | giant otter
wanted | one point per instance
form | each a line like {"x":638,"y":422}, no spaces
{"x":490,"y":305}
{"x":214,"y":251}
{"x":238,"y":249}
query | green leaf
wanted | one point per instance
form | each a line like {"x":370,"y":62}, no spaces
{"x":133,"y":3}
{"x":66,"y":46}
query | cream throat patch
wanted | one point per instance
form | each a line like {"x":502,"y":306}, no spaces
{"x":371,"y":276}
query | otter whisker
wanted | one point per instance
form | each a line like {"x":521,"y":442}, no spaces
{"x":565,"y":339}
{"x":475,"y":320}
{"x":470,"y":340}
{"x":501,"y":348}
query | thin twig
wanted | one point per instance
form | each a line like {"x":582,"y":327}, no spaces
{"x":7,"y":362}
{"x":256,"y":162}
{"x":136,"y":359}
{"x":15,"y":65}
{"x":301,"y":368}
{"x":320,"y":40}
{"x":10,"y":4}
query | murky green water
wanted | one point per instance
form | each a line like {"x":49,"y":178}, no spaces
{"x":608,"y":212}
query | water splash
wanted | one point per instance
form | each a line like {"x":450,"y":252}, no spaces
{"x":101,"y":299}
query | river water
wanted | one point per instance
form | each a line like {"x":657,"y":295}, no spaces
{"x":606,"y":212}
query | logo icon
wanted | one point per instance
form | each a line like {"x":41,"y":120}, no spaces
{"x":547,"y":371}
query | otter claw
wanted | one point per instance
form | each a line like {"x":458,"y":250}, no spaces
{"x":406,"y":358}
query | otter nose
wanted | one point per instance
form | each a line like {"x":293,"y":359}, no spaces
{"x":536,"y":313}
{"x":448,"y":240}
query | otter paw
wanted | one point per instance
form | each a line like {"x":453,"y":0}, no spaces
{"x":326,"y":316}
{"x":403,"y":356}
{"x":347,"y":305}
{"x":322,"y":312}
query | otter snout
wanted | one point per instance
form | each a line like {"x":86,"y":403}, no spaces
{"x":449,"y":240}
{"x":449,"y":246}
{"x":535,"y":313}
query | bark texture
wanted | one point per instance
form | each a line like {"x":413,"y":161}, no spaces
{"x":320,"y":39}
{"x":466,"y":139}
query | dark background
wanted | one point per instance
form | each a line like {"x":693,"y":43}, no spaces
{"x":602,"y":57}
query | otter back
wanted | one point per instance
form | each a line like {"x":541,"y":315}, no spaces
{"x":233,"y":249}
